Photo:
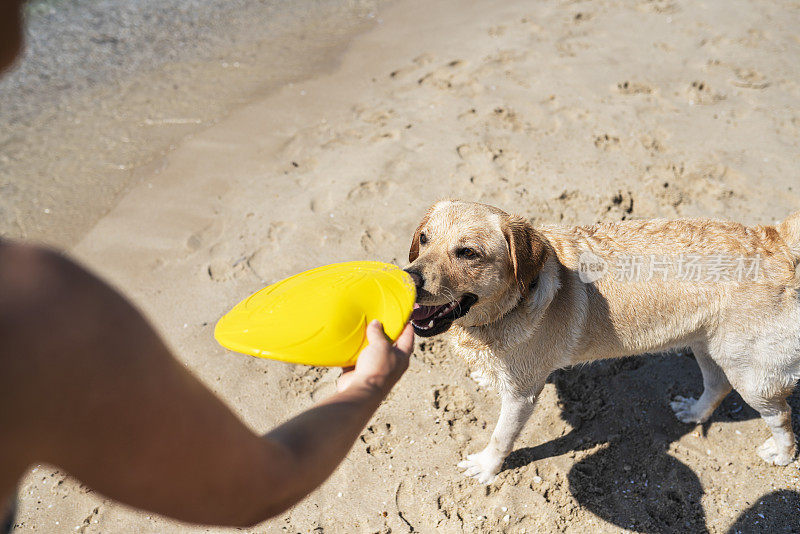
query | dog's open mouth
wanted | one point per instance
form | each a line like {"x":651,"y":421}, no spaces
{"x":431,"y":320}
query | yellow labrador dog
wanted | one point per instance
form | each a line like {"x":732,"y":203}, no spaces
{"x":520,"y":302}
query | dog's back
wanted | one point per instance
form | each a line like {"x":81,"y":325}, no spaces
{"x":658,"y":283}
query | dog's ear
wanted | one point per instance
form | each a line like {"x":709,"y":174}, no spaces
{"x":526,"y":249}
{"x":413,"y":252}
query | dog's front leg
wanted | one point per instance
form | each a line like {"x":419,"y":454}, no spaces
{"x":515,"y":410}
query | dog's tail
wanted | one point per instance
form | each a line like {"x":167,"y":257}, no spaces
{"x":790,"y":232}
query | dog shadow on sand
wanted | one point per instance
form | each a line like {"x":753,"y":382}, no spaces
{"x":634,"y":481}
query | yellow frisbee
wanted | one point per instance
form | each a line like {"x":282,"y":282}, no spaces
{"x":319,"y":317}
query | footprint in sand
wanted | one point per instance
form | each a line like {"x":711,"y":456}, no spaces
{"x":372,"y":238}
{"x":607,"y":142}
{"x":417,"y":62}
{"x":377,"y":439}
{"x":713,"y":185}
{"x":700,"y":92}
{"x":652,"y":144}
{"x":433,"y":351}
{"x":232,"y":259}
{"x":696,"y":188}
{"x":227,"y":258}
{"x":569,"y":207}
{"x":223,"y":269}
{"x":490,"y":163}
{"x":743,"y":77}
{"x":262,"y":261}
{"x":443,"y":77}
{"x":455,"y":408}
{"x":749,"y":79}
{"x":305,"y":381}
{"x":507,"y":119}
{"x":381,"y":117}
{"x":210,"y":233}
{"x":621,"y":206}
{"x":634,"y":88}
{"x":368,"y":190}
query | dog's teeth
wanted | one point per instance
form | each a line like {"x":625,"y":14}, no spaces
{"x":444,"y":311}
{"x":430,"y":324}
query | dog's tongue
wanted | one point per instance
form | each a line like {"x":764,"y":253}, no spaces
{"x":421,"y":313}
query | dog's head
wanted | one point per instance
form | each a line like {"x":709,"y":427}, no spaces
{"x":471,"y":263}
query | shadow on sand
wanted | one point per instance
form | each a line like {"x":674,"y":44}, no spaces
{"x":633,"y":481}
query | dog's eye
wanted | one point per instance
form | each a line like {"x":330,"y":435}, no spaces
{"x":423,"y":238}
{"x":467,"y":253}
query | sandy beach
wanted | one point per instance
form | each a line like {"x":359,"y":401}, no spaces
{"x":566,"y":112}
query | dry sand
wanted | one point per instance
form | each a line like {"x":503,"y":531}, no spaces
{"x":567,"y":112}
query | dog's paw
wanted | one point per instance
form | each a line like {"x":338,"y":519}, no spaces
{"x":481,"y":379}
{"x":482,"y":466}
{"x":685,"y":409}
{"x":775,"y":454}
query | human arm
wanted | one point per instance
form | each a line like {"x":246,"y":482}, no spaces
{"x":87,"y":385}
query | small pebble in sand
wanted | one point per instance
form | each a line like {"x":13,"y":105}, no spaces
{"x":537,"y":479}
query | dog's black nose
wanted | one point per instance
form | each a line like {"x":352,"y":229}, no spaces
{"x":416,"y":276}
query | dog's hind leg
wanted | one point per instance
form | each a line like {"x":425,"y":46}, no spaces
{"x":715,"y":388}
{"x":781,"y":448}
{"x":770,"y":402}
{"x":765,"y":382}
{"x":514,"y":413}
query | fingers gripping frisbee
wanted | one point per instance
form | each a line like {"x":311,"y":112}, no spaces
{"x":319,"y":317}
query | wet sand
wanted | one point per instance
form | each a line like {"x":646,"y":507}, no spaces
{"x":107,"y":88}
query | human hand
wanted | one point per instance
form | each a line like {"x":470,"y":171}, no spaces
{"x":381,"y":364}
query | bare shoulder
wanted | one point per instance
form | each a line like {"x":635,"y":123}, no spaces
{"x":31,"y":276}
